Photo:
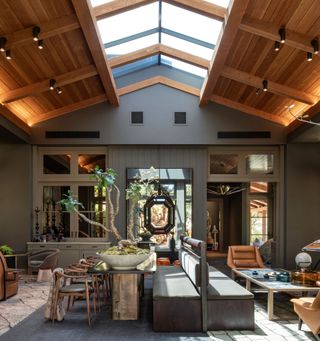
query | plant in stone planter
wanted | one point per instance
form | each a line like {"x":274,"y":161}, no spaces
{"x":106,"y":179}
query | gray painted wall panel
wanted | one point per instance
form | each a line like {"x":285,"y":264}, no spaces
{"x":302,"y":199}
{"x":158,"y":104}
{"x":145,"y":157}
{"x":16,"y":195}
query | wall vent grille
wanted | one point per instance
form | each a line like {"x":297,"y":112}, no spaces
{"x":244,"y":134}
{"x":72,"y":134}
{"x":136,"y":117}
{"x":180,"y":117}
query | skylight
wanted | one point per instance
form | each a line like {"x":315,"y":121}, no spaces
{"x":222,"y":3}
{"x":95,"y":3}
{"x":129,"y":23}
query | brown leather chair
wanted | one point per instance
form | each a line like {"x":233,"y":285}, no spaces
{"x":308,"y":310}
{"x":8,"y":280}
{"x":244,"y":257}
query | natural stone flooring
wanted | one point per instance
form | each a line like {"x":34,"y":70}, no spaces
{"x":32,"y":295}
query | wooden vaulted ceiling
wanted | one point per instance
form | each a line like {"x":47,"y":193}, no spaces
{"x":74,"y":56}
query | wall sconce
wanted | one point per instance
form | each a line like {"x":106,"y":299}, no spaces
{"x":40,"y":44}
{"x":35,"y":33}
{"x":309,"y":56}
{"x":282,"y":34}
{"x":8,"y":54}
{"x":265,"y":85}
{"x":315,"y":45}
{"x":276,"y":45}
{"x":3,"y":41}
{"x":52,"y":84}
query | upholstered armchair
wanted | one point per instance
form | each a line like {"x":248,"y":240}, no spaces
{"x":308,"y":310}
{"x":244,"y":257}
{"x":8,"y":280}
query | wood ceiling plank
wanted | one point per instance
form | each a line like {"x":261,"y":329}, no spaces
{"x":275,"y":88}
{"x":5,"y":112}
{"x":36,"y":88}
{"x":91,"y":32}
{"x":158,"y":80}
{"x":202,"y":7}
{"x":156,"y":49}
{"x":48,"y":29}
{"x":248,"y":110}
{"x":271,"y":31}
{"x":233,"y":19}
{"x":67,"y":109}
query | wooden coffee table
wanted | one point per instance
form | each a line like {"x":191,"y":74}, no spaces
{"x":271,"y":285}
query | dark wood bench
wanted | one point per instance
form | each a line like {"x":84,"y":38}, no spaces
{"x":196,"y":297}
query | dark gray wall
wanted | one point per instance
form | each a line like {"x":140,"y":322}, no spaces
{"x":302,"y":199}
{"x":15,"y":195}
{"x":145,"y":157}
{"x":158,"y":103}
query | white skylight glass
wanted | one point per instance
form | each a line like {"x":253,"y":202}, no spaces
{"x":132,"y":45}
{"x":95,"y":3}
{"x":190,"y":23}
{"x":222,"y":3}
{"x":135,"y":66}
{"x":186,"y":46}
{"x":129,"y":23}
{"x":183,"y":66}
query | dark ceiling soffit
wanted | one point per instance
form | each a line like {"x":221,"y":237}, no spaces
{"x":10,"y":133}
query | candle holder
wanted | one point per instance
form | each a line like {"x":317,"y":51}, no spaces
{"x":37,"y":237}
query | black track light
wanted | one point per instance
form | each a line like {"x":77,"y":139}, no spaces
{"x":40,"y":44}
{"x":309,"y":56}
{"x":257,"y":91}
{"x":315,"y":45}
{"x":59,"y":91}
{"x":282,"y":34}
{"x":52,"y":84}
{"x":8,"y":54}
{"x":265,"y":85}
{"x":35,"y":33}
{"x":3,"y":41}
{"x":276,"y":45}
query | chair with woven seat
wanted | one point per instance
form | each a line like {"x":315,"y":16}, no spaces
{"x":43,"y":261}
{"x":308,"y":311}
{"x":244,"y":257}
{"x":8,"y":280}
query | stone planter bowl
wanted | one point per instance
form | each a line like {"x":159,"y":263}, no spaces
{"x":123,"y":262}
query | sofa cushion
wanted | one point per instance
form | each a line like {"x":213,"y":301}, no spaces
{"x":171,"y":282}
{"x":222,"y":287}
{"x":245,"y":263}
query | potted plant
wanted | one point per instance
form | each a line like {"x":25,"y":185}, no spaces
{"x":125,"y":248}
{"x":6,"y":249}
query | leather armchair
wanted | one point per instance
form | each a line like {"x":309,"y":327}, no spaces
{"x":42,"y":260}
{"x":244,"y":257}
{"x":8,"y":280}
{"x":308,"y":310}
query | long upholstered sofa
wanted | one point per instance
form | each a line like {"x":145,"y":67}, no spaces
{"x":196,"y":297}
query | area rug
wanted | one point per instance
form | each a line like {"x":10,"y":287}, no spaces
{"x":75,"y":326}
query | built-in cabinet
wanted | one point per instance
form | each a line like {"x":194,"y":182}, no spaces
{"x":70,"y":252}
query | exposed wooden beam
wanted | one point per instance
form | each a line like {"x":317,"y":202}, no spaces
{"x":67,"y":109}
{"x":270,"y":31}
{"x":199,"y":6}
{"x":5,"y":112}
{"x":91,"y":32}
{"x":202,"y":7}
{"x":117,"y":7}
{"x":248,"y":110}
{"x":158,"y":80}
{"x":312,"y":111}
{"x":156,"y":49}
{"x":134,"y":56}
{"x":233,"y":19}
{"x":273,"y":87}
{"x":47,"y":30}
{"x":37,"y":88}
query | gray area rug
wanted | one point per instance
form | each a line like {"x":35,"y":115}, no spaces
{"x":75,"y":326}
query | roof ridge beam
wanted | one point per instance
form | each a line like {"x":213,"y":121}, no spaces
{"x":42,"y":86}
{"x":227,"y":35}
{"x":48,"y":29}
{"x":248,"y":110}
{"x":90,"y":30}
{"x":119,"y":6}
{"x":273,"y":87}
